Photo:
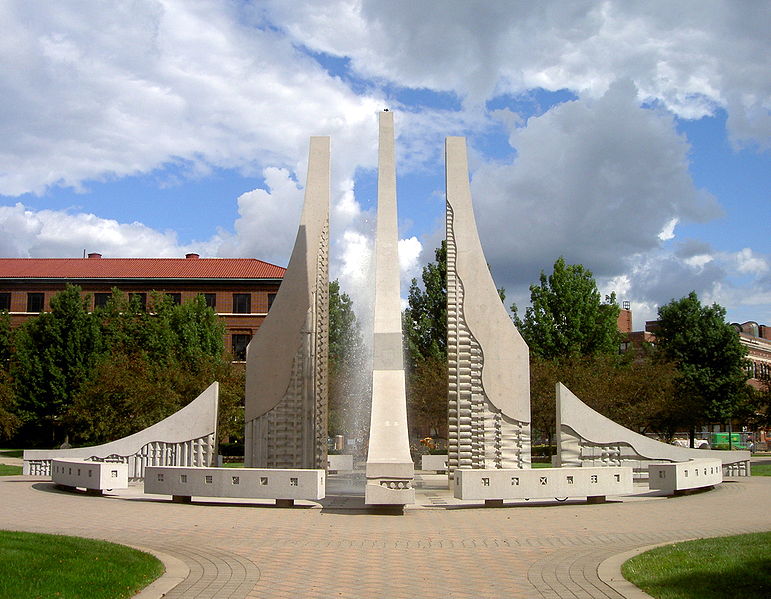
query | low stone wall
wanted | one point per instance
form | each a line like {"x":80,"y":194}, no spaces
{"x":437,"y":462}
{"x":95,"y":477}
{"x":495,"y":486}
{"x":280,"y":484}
{"x":685,"y":476}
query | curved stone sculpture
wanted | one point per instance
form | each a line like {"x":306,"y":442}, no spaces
{"x":286,"y":361}
{"x":186,"y":438}
{"x":389,"y":467}
{"x":489,"y":371}
{"x":587,"y":438}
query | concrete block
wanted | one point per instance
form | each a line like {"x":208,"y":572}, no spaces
{"x":92,"y":476}
{"x":682,"y":476}
{"x":542,"y":483}
{"x":252,"y":483}
{"x":434,"y":462}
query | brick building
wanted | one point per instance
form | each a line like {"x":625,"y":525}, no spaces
{"x":240,"y":290}
{"x":757,"y":339}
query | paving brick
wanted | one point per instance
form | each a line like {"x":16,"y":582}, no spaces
{"x":241,"y":550}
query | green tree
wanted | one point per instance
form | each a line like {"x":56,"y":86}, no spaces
{"x":348,"y":383}
{"x":710,"y":360}
{"x":425,"y":319}
{"x":55,"y":353}
{"x":424,"y":324}
{"x":9,"y":422}
{"x":567,"y":316}
{"x":5,"y":339}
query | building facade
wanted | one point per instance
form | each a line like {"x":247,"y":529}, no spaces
{"x":240,"y":290}
{"x":757,"y":339}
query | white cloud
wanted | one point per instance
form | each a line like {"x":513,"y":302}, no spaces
{"x":409,"y":253}
{"x":668,"y":232}
{"x":749,"y":263}
{"x":92,"y":91}
{"x":595,"y":180}
{"x":266,"y":226}
{"x":689,"y":56}
{"x":28,"y":233}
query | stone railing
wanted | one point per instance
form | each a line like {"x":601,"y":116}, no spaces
{"x":186,"y":438}
{"x":587,"y":438}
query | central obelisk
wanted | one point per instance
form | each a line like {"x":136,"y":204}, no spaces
{"x":390,"y":470}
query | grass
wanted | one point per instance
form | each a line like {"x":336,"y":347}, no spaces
{"x":11,"y":453}
{"x":233,"y":465}
{"x":39,"y":566}
{"x":9,"y":470}
{"x":760,"y":469}
{"x":737,"y":566}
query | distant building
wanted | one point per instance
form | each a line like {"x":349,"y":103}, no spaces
{"x":631,"y":339}
{"x":240,"y":290}
{"x":757,"y":339}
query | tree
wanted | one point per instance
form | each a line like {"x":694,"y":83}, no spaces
{"x":55,"y":353}
{"x":424,"y":324}
{"x":425,"y":319}
{"x":348,"y":382}
{"x":567,"y":316}
{"x":710,"y":360}
{"x":635,"y":393}
{"x":5,"y":339}
{"x":9,"y":422}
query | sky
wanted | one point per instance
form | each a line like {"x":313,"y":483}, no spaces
{"x":628,"y":136}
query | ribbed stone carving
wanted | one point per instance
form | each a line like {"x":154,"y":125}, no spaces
{"x":489,"y":394}
{"x":286,"y":362}
{"x":186,"y":438}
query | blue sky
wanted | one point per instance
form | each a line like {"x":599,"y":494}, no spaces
{"x":631,"y":137}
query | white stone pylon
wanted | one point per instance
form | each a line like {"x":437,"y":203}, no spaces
{"x":389,"y":470}
{"x":489,"y":371}
{"x":286,"y":361}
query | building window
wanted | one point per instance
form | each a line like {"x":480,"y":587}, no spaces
{"x":101,"y":299}
{"x":140,"y":299}
{"x":176,"y":298}
{"x":242,"y":303}
{"x":35,"y":302}
{"x":240,"y":341}
{"x":5,"y":301}
{"x":211,"y":300}
{"x":271,"y":297}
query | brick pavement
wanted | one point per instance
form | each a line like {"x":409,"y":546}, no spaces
{"x":244,"y":550}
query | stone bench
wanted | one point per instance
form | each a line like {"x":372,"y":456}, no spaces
{"x":95,"y":477}
{"x":495,"y":486}
{"x":436,"y":462}
{"x":680,"y":477}
{"x":340,"y":462}
{"x":282,"y":485}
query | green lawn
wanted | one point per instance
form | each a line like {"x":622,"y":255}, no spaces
{"x":38,"y":566}
{"x":738,"y":566}
{"x":9,"y":470}
{"x":760,"y":469}
{"x":11,"y":453}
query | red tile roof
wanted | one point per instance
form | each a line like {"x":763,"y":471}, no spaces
{"x":138,"y":268}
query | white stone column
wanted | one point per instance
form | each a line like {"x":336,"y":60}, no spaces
{"x":389,"y":468}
